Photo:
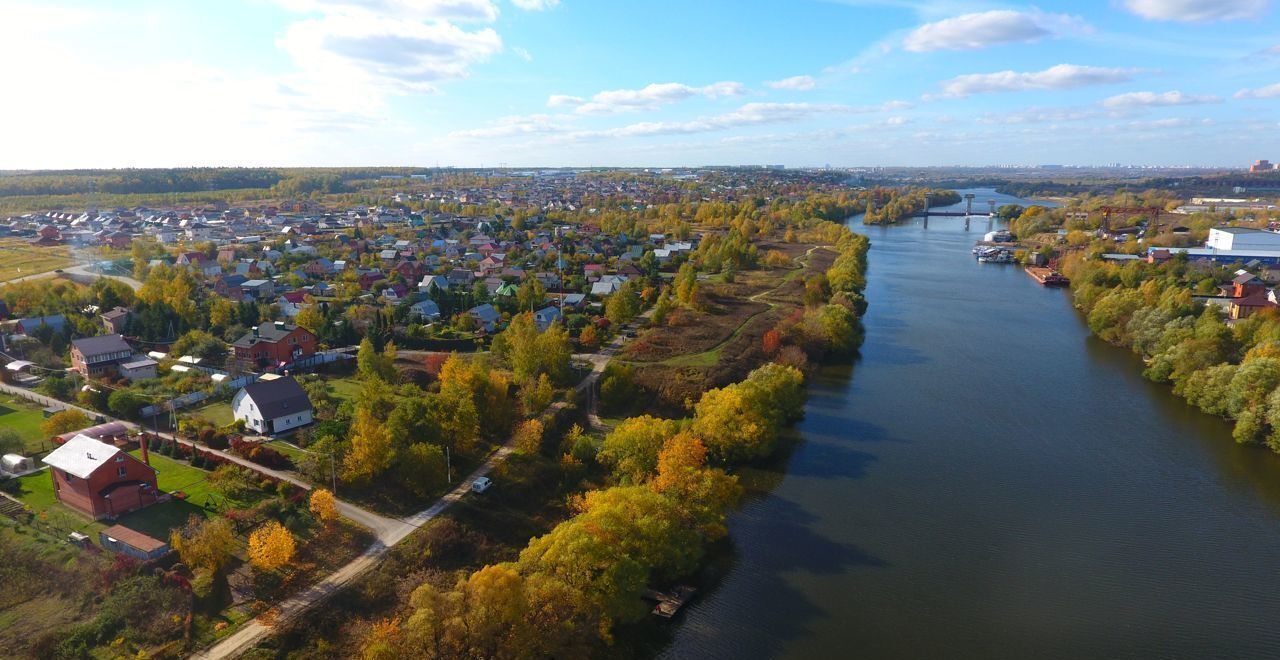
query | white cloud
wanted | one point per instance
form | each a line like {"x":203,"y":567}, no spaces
{"x":1168,"y":122}
{"x":516,"y":126}
{"x":1152,"y":99}
{"x":1268,"y":92}
{"x":522,"y":53}
{"x":1062,"y":76}
{"x":1040,"y":116}
{"x":448,"y":10}
{"x":650,"y":97}
{"x":794,"y":83}
{"x":562,"y":100}
{"x":1196,"y":11}
{"x":747,"y":115}
{"x":391,"y":54}
{"x":535,"y":5}
{"x":973,"y":31}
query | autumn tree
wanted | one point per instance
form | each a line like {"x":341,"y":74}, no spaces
{"x":204,"y":543}
{"x":631,"y":449}
{"x":531,"y":294}
{"x":589,"y":338}
{"x":271,"y":546}
{"x":324,"y":505}
{"x":421,"y":469}
{"x":65,"y":421}
{"x":373,"y":364}
{"x":528,"y":437}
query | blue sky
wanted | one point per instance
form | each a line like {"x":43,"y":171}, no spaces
{"x":143,"y":83}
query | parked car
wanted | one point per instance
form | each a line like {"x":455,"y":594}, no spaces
{"x":481,"y":484}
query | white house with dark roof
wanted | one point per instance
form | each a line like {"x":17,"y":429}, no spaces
{"x":273,"y":406}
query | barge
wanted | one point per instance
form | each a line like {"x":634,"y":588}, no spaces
{"x":1047,"y":276}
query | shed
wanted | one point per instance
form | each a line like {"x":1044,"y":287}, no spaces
{"x":131,"y":542}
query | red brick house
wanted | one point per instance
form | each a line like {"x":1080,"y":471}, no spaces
{"x":100,"y":480}
{"x":275,"y":343}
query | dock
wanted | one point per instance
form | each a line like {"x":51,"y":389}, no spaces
{"x":670,"y":602}
{"x":1047,"y":276}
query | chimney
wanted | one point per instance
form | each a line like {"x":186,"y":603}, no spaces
{"x":255,"y":331}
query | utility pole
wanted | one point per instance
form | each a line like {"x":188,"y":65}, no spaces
{"x":448,"y":462}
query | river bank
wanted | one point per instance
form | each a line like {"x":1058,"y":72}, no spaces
{"x":990,"y":481}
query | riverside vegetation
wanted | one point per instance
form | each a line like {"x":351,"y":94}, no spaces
{"x":638,"y":507}
{"x":1232,"y":371}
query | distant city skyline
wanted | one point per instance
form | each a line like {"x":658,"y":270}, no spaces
{"x":548,"y":83}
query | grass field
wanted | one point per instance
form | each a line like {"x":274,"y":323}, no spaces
{"x":25,"y":418}
{"x":344,"y":388}
{"x":19,"y":258}
{"x":218,"y":413}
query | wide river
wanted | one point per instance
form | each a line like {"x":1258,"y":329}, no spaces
{"x":989,"y":481}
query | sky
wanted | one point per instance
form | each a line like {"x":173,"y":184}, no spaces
{"x":637,"y":83}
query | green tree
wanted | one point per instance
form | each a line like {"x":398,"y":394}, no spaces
{"x":631,"y":449}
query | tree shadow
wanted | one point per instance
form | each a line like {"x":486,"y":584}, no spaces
{"x":751,"y":607}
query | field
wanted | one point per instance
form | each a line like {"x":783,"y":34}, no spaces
{"x":219,"y":413}
{"x":25,"y":418}
{"x":705,"y":348}
{"x":19,"y":258}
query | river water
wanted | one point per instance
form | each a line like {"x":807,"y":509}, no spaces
{"x":989,"y":481}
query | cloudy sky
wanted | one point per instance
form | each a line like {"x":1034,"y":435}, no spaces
{"x":138,"y":83}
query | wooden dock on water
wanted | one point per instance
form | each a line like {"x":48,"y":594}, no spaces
{"x":669,"y":603}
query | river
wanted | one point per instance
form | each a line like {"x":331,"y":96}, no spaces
{"x":989,"y":481}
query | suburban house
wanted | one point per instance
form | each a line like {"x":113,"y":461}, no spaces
{"x":272,"y":406}
{"x":116,"y":320}
{"x":29,"y":326}
{"x":486,"y":317}
{"x":544,"y":317}
{"x":100,"y":480}
{"x":274,"y":344}
{"x":425,"y":309}
{"x":258,"y":289}
{"x":95,"y":356}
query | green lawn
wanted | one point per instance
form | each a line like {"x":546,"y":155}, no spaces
{"x":25,"y":418}
{"x":218,"y":413}
{"x":295,"y":454}
{"x":344,"y":388}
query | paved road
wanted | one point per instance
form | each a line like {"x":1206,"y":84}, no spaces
{"x":390,"y":532}
{"x":256,"y":630}
{"x":77,"y":272}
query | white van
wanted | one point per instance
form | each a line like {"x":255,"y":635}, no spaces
{"x":481,"y":484}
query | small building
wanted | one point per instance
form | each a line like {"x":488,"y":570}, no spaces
{"x":139,"y":368}
{"x":132,"y":543}
{"x":425,"y":309}
{"x":544,"y":317}
{"x":272,"y":406}
{"x":116,"y":320}
{"x":97,"y":356}
{"x":486,"y":317}
{"x":258,"y":289}
{"x":100,"y":480}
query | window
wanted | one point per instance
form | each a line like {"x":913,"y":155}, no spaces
{"x":120,"y":472}
{"x":120,"y":458}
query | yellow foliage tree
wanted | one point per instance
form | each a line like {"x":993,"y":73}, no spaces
{"x":324,"y":505}
{"x":271,"y":546}
{"x":371,"y":449}
{"x":529,"y":436}
{"x":205,"y":544}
